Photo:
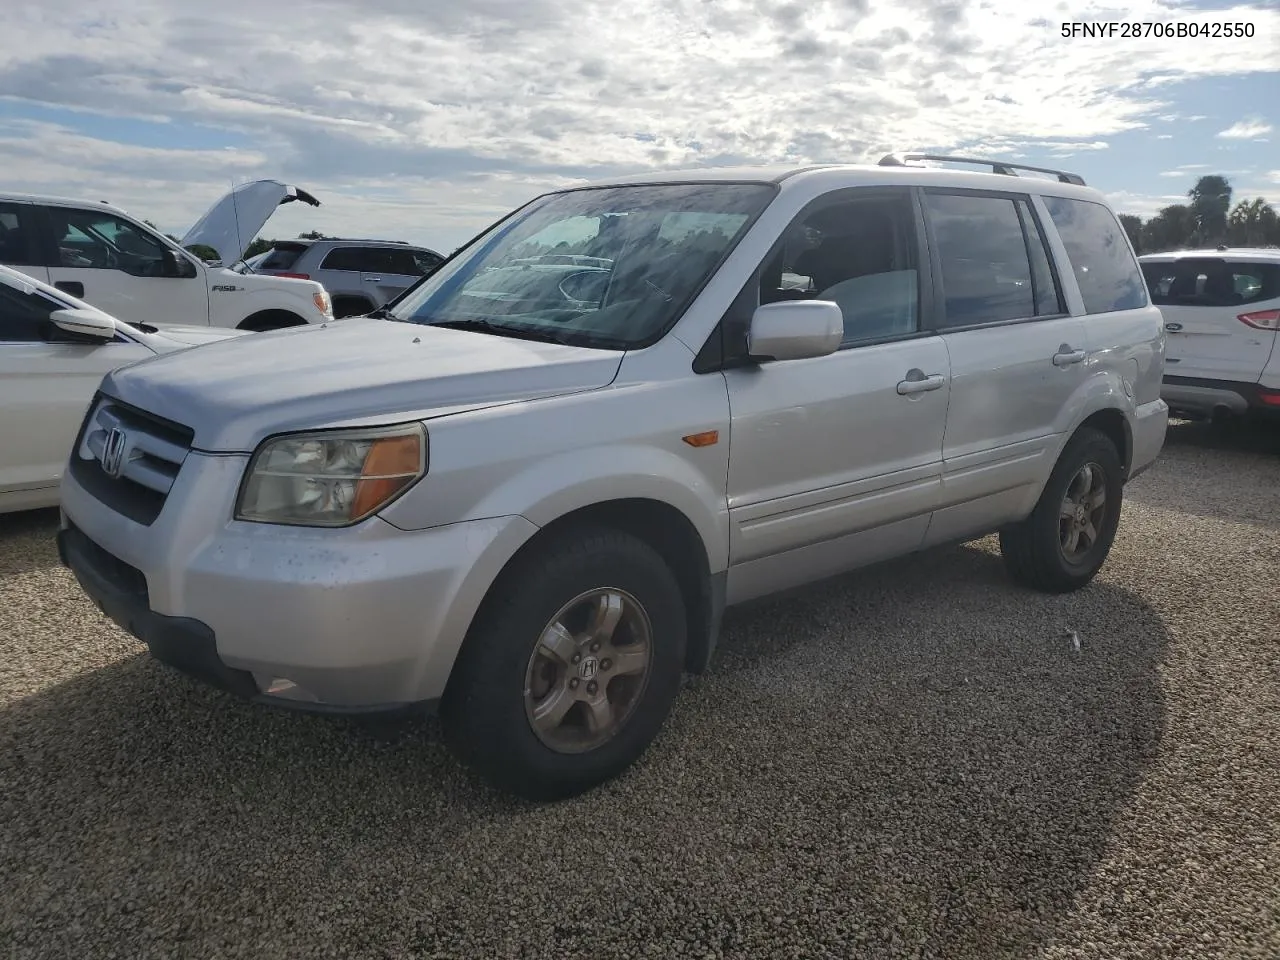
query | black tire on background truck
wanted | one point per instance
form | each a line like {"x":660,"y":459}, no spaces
{"x":571,"y":666}
{"x":1067,"y":538}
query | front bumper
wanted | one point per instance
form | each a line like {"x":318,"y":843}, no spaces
{"x":120,"y":592}
{"x":357,"y":619}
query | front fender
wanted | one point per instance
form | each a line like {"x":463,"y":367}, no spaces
{"x":555,"y":486}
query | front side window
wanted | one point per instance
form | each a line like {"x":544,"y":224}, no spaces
{"x":860,"y":254}
{"x":17,"y":246}
{"x":987,"y":274}
{"x":1105,"y":268}
{"x":1211,"y":282}
{"x":100,"y":241}
{"x":23,"y":316}
{"x":612,"y":267}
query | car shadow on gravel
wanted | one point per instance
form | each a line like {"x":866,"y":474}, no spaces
{"x":27,"y":541}
{"x":921,"y":760}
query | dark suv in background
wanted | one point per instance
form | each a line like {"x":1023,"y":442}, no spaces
{"x":360,"y":275}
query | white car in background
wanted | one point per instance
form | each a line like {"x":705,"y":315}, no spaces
{"x":1221,"y":313}
{"x":100,"y":254}
{"x":54,"y":351}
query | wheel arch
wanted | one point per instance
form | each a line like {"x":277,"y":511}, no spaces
{"x":665,"y":528}
{"x":270,"y":319}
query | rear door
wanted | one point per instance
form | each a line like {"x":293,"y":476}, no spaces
{"x":388,"y":271}
{"x":1220,"y":315}
{"x":1017,"y":356}
{"x":19,"y":240}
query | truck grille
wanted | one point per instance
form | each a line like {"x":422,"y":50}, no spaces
{"x":129,"y":459}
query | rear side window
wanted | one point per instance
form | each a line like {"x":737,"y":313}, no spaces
{"x":1211,"y":282}
{"x":1105,"y":268}
{"x":348,"y":258}
{"x":281,"y":257}
{"x":17,"y":235}
{"x":994,"y":264}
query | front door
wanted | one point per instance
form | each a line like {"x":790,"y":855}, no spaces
{"x":835,"y":461}
{"x":120,"y":268}
{"x":45,"y":389}
{"x":1017,"y":356}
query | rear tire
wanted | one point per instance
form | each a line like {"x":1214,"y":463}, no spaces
{"x":1067,"y":538}
{"x":525,"y":709}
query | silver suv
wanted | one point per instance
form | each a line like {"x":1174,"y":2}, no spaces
{"x":360,"y":275}
{"x":621,"y":409}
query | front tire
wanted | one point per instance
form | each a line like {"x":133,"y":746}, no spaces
{"x":1063,"y":544}
{"x":571,"y":667}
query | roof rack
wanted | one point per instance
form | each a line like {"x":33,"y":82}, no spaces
{"x":997,"y":166}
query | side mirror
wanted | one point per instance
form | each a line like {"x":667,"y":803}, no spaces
{"x":176,"y":265}
{"x":84,"y":323}
{"x":795,"y":330}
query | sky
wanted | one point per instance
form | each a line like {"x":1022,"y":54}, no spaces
{"x":424,"y":121}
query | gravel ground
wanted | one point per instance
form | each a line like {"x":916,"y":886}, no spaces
{"x":917,"y":761}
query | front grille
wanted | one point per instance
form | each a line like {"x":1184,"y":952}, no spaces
{"x":128,"y":458}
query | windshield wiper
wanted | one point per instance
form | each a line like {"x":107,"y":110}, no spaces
{"x":501,"y":330}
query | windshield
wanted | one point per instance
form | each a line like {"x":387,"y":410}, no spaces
{"x":610,"y":267}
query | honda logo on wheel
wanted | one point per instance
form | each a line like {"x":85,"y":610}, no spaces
{"x":113,"y":451}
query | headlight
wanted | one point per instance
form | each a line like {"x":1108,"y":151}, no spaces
{"x":331,"y":479}
{"x":322,"y":302}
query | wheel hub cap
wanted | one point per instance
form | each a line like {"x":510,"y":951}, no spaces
{"x":588,"y":670}
{"x":1083,"y":512}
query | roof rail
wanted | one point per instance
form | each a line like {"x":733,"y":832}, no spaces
{"x":997,"y":166}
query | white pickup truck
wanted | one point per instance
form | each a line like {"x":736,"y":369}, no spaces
{"x":100,"y":254}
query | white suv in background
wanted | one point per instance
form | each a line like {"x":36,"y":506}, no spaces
{"x":100,"y":254}
{"x":1221,"y":311}
{"x":532,"y":499}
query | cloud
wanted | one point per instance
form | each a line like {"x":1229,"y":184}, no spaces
{"x":422,"y":118}
{"x":1186,"y":170}
{"x":1246,"y":130}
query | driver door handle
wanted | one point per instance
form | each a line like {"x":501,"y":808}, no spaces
{"x":1065,"y":356}
{"x":917,"y":382}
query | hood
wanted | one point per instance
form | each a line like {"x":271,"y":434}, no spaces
{"x":230,"y":225}
{"x":236,"y":392}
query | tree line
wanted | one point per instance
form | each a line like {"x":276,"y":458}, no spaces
{"x":1207,"y":219}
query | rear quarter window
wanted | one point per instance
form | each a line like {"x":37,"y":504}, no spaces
{"x":281,"y":257}
{"x":1104,"y":266}
{"x":1211,"y":282}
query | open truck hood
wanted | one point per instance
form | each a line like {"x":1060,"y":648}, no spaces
{"x":230,"y":225}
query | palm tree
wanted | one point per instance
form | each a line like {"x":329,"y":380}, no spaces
{"x":1210,"y":201}
{"x":1251,"y":223}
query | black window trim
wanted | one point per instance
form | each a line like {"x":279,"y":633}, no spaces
{"x":711,"y":359}
{"x":936,"y":263}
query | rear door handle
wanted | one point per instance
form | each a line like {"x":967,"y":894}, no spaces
{"x":372,"y":279}
{"x":1066,"y":357}
{"x":917,"y":382}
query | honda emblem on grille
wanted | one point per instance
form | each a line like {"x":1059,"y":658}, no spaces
{"x":113,"y":451}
